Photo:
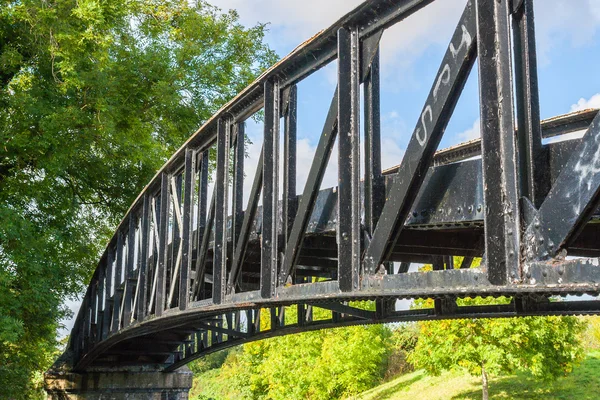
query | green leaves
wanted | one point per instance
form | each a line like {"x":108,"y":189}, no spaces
{"x":546,"y":347}
{"x":325,"y":364}
{"x":94,"y":97}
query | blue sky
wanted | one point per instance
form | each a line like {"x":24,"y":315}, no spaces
{"x":568,"y":44}
{"x":568,"y":41}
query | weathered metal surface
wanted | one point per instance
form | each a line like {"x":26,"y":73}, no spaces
{"x":181,"y":279}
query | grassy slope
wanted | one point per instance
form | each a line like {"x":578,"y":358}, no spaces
{"x":583,"y":383}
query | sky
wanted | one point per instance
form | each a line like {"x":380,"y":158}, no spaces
{"x":568,"y":43}
{"x":567,"y":38}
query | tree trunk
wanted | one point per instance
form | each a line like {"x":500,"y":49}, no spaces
{"x":484,"y":382}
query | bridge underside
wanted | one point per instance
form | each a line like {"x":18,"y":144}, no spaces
{"x":514,"y":214}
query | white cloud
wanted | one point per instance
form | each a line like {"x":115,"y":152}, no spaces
{"x":473,"y":132}
{"x":293,"y":21}
{"x":582,"y":104}
{"x":565,"y":20}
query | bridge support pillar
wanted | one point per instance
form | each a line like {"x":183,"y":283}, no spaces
{"x":118,"y":384}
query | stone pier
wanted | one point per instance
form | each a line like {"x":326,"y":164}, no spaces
{"x":133,"y":383}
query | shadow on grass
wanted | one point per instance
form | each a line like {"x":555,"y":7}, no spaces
{"x":388,"y":392}
{"x":583,"y":383}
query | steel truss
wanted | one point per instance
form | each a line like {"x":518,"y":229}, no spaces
{"x":184,"y":276}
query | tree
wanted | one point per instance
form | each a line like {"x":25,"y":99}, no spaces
{"x":546,"y":347}
{"x":324,"y":364}
{"x":94,"y":97}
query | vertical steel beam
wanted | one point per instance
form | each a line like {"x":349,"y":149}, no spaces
{"x":374,"y":186}
{"x":86,"y":308}
{"x":118,"y":288}
{"x":269,"y":245}
{"x":238,"y":183}
{"x":106,"y":317}
{"x":129,"y":271}
{"x":289,"y":161}
{"x":501,"y":196}
{"x":187,"y":242}
{"x":221,"y":211}
{"x":101,"y":299}
{"x":201,"y":221}
{"x":163,"y":253}
{"x":174,"y":275}
{"x":528,"y":104}
{"x":348,"y":221}
{"x":145,"y":238}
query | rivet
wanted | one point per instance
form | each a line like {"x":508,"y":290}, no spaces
{"x":459,"y":210}
{"x":470,"y":209}
{"x":528,"y":275}
{"x":479,"y":208}
{"x":541,"y":240}
{"x":561,"y":270}
{"x":536,"y":225}
{"x":415,"y":214}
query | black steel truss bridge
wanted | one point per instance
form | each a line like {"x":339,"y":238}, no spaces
{"x":185,"y":275}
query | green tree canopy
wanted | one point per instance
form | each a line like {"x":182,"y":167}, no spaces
{"x":325,"y":364}
{"x":94,"y":97}
{"x":546,"y":347}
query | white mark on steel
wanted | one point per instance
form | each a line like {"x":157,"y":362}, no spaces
{"x":423,"y":139}
{"x":465,"y":40}
{"x":444,"y":77}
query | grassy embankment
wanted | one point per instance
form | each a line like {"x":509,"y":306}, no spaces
{"x":583,"y":383}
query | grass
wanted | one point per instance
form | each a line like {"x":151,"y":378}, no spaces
{"x":583,"y":383}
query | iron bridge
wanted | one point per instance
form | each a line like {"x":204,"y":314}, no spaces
{"x":184,"y":276}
